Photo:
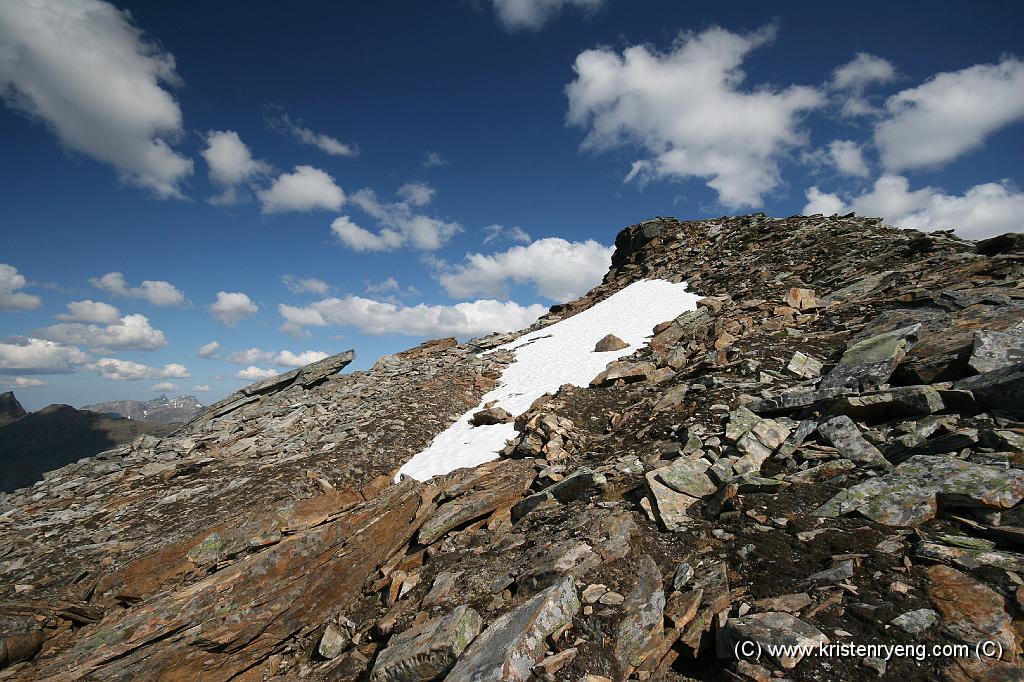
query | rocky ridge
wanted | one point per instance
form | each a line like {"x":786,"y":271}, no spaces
{"x":161,"y":410}
{"x":830,"y":449}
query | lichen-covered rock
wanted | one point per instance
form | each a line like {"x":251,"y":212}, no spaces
{"x":774,"y":629}
{"x":643,"y":617}
{"x":515,"y":642}
{"x":869,"y":363}
{"x":845,"y":437}
{"x":427,"y":651}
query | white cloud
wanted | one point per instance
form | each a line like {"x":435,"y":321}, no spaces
{"x":21,"y":382}
{"x":982,"y":211}
{"x":202,"y":388}
{"x":231,"y":164}
{"x":399,"y":222}
{"x":379,"y":317}
{"x":255,"y":373}
{"x":131,"y":332}
{"x":305,"y":189}
{"x":846,"y":156}
{"x":20,"y":355}
{"x":114,"y":369}
{"x":853,"y":79}
{"x":434,"y":160}
{"x":560,"y":270}
{"x":208,"y":350}
{"x":91,"y":311}
{"x":156,"y":292}
{"x":10,"y":297}
{"x":686,"y":108}
{"x":164,"y":386}
{"x":96,"y":80}
{"x":230,"y":308}
{"x":950,"y":114}
{"x":279,"y":120}
{"x":297,"y":285}
{"x":390,"y":285}
{"x":284,"y":358}
{"x":533,"y":14}
{"x":512,"y":234}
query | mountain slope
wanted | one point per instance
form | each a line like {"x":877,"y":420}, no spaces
{"x":161,"y":410}
{"x":827,"y":448}
{"x":57,"y":435}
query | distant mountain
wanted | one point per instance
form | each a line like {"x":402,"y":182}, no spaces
{"x":10,"y":409}
{"x":159,"y":410}
{"x":58,"y":435}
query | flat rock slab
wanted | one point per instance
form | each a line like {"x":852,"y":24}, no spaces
{"x":994,"y":350}
{"x":516,"y":641}
{"x":1001,"y":389}
{"x":910,"y":401}
{"x":427,"y":651}
{"x":643,"y":618}
{"x":870,"y":363}
{"x":774,"y":629}
{"x":845,"y":437}
{"x":910,"y":494}
{"x":628,"y":372}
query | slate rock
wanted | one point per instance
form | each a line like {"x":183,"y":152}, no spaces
{"x":869,"y":363}
{"x":515,"y":642}
{"x":490,"y":416}
{"x":997,"y":349}
{"x":427,"y":651}
{"x":643,"y":616}
{"x":845,"y":437}
{"x":915,"y":622}
{"x":1001,"y":389}
{"x":610,"y":343}
{"x":773,"y":629}
{"x":909,"y":401}
{"x":687,"y":476}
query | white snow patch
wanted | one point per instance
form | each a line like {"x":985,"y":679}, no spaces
{"x":562,"y":353}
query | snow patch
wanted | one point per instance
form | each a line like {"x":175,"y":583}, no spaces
{"x":562,"y":353}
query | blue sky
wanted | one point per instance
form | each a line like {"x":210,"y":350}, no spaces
{"x":294,"y":183}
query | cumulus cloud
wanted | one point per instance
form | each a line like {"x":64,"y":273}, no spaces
{"x":845,"y":156}
{"x":434,"y":160}
{"x":279,"y":120}
{"x":131,"y":332}
{"x":399,"y":222}
{"x":156,"y":292}
{"x":531,"y":15}
{"x":255,"y":373}
{"x":851,"y":81}
{"x":202,"y":388}
{"x":379,"y":317}
{"x":230,"y":308}
{"x":950,"y":114}
{"x":96,"y":80}
{"x":687,"y":108}
{"x":305,"y":189}
{"x":559,"y":270}
{"x":500,"y":232}
{"x":96,"y":312}
{"x":284,"y":358}
{"x":164,"y":386}
{"x":298,"y":285}
{"x":114,"y":369}
{"x":231,"y":165}
{"x":10,"y":297}
{"x":27,"y":355}
{"x":982,"y":211}
{"x":21,"y":382}
{"x":208,"y":350}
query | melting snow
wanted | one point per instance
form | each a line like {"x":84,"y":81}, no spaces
{"x":562,"y":353}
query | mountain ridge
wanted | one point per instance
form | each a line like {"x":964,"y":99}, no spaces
{"x":830,"y":442}
{"x":160,"y":410}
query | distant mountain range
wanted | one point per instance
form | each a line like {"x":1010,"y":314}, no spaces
{"x":57,"y":435}
{"x":159,"y":410}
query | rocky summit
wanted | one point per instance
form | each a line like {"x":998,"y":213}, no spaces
{"x":827,"y":449}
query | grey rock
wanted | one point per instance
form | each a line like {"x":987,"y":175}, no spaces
{"x":427,"y":651}
{"x":994,"y":350}
{"x":845,"y":437}
{"x":911,"y":401}
{"x":333,"y":641}
{"x":643,"y":616}
{"x":581,"y":484}
{"x":687,"y":476}
{"x":773,"y":629}
{"x":841,"y":571}
{"x":1001,"y":389}
{"x":515,"y":642}
{"x":869,"y":363}
{"x":804,"y":366}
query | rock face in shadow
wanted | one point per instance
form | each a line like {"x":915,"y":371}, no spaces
{"x":57,"y":435}
{"x":10,"y":409}
{"x":830,"y":447}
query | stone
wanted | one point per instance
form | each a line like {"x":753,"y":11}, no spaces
{"x":684,"y":572}
{"x":796,"y":399}
{"x":610,"y":343}
{"x":910,"y":494}
{"x":669,"y":506}
{"x":580,"y":485}
{"x":822,"y":472}
{"x":802,"y":299}
{"x":994,"y":350}
{"x":673,"y":397}
{"x":687,"y":476}
{"x":441,"y":588}
{"x":643,"y":616}
{"x":774,"y":629}
{"x":491,"y":416}
{"x":758,"y":444}
{"x":515,"y":642}
{"x":841,"y":571}
{"x":789,"y":603}
{"x":333,"y":641}
{"x":1009,"y":242}
{"x":804,"y":366}
{"x":842,"y":434}
{"x":593,"y":592}
{"x":611,"y":598}
{"x":625,"y":371}
{"x":910,"y":401}
{"x":869,"y":363}
{"x":555,"y":662}
{"x":681,"y":607}
{"x":1001,"y":389}
{"x":915,"y":622}
{"x":951,"y":442}
{"x":428,"y":650}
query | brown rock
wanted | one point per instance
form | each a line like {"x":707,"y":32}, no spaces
{"x":610,"y":343}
